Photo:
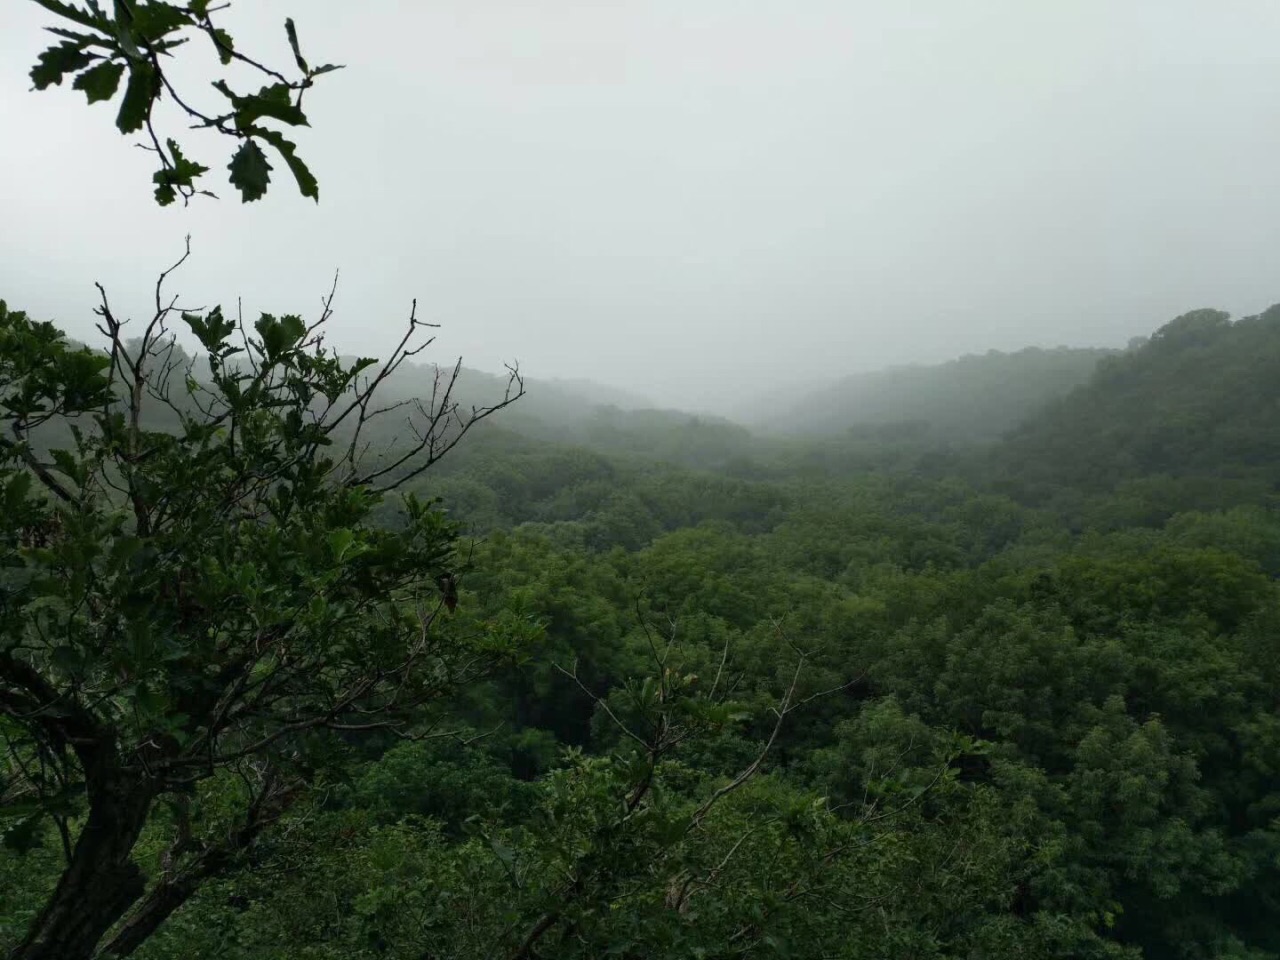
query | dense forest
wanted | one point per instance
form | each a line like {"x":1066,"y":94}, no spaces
{"x":1044,"y":730}
{"x":975,"y":398}
{"x":309,"y":656}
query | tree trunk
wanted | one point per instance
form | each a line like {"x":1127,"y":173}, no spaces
{"x":158,"y":905}
{"x":171,"y":893}
{"x":100,"y":883}
{"x":173,"y":889}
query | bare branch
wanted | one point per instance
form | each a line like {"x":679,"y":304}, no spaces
{"x":603,"y":705}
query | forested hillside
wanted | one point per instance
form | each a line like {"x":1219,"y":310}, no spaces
{"x":1025,"y":739}
{"x":1186,"y":420}
{"x":970,"y":399}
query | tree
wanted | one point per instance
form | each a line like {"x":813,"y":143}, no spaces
{"x":196,"y":599}
{"x":138,"y":38}
{"x":215,"y":598}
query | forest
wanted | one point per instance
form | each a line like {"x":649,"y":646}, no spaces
{"x":983,"y":662}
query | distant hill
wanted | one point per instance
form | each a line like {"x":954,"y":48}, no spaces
{"x":599,"y":394}
{"x":1199,"y":400}
{"x":585,"y":413}
{"x":974,"y":398}
{"x":550,"y":399}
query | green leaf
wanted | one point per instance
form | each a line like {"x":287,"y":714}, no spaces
{"x":250,"y":171}
{"x":340,"y":541}
{"x":15,"y":492}
{"x":94,"y":21}
{"x":295,"y":328}
{"x":292,"y":31}
{"x":327,"y":68}
{"x":211,"y":330}
{"x":181,"y":173}
{"x":274,"y":101}
{"x":57,"y":61}
{"x":68,"y":464}
{"x":503,"y":852}
{"x":280,"y":335}
{"x":100,"y":82}
{"x":223,"y":43}
{"x":23,"y":835}
{"x":183,"y":168}
{"x":154,"y":20}
{"x":125,"y":40}
{"x":308,"y":186}
{"x":142,"y":89}
{"x":83,"y":39}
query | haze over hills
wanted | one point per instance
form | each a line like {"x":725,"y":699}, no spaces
{"x":1197,"y":397}
{"x":976,"y":397}
{"x":1052,"y":406}
{"x":599,"y":393}
{"x":553,"y":398}
{"x":1179,"y":420}
{"x":972,"y":399}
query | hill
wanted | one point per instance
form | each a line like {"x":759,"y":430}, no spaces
{"x":978,"y":676}
{"x":1195,"y":408}
{"x":599,"y":394}
{"x":588,"y":414}
{"x":974,"y":398}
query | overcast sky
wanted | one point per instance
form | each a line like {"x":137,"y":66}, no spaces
{"x":684,"y":197}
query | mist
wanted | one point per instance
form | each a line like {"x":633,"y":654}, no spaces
{"x":698,"y":202}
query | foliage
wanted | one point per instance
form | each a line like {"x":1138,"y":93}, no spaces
{"x":1183,"y":422}
{"x":133,"y":44}
{"x":217,"y":597}
{"x":897,"y":692}
{"x":974,"y":398}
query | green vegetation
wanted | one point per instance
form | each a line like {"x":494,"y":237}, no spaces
{"x":280,"y":679}
{"x":133,"y":44}
{"x":974,"y":398}
{"x":1186,"y":421}
{"x":811,"y":705}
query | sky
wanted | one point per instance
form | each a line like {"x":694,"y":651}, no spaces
{"x":694,"y":199}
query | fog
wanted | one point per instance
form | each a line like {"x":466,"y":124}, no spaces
{"x":697,"y":200}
